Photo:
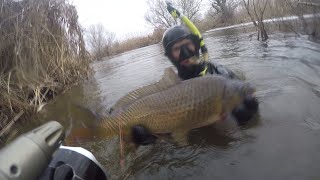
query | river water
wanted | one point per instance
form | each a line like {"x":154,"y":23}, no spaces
{"x":282,"y":142}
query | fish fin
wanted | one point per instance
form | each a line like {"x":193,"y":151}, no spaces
{"x":169,"y":79}
{"x":181,"y":138}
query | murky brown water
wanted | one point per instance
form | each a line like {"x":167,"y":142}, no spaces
{"x":282,"y":143}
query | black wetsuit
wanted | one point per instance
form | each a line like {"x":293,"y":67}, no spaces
{"x":209,"y":68}
{"x":221,"y":70}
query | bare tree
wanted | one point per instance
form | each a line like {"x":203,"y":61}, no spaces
{"x":224,"y":8}
{"x":100,"y":41}
{"x":158,"y":16}
{"x":302,"y":7}
{"x":256,"y":10}
{"x":190,"y":8}
{"x":309,"y":2}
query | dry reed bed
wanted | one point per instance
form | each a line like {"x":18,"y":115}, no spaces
{"x":42,"y":52}
{"x":137,"y":41}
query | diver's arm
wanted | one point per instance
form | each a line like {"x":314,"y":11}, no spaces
{"x":221,"y":70}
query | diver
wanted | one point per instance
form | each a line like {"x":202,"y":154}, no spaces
{"x":182,"y":45}
{"x":182,"y":49}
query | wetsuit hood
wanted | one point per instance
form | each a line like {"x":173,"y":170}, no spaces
{"x":175,"y":34}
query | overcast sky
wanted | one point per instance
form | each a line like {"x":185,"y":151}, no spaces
{"x":119,"y":16}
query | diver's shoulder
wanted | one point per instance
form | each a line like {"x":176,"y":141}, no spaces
{"x":218,"y":69}
{"x":211,"y":68}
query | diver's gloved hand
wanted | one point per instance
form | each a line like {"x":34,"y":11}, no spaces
{"x":142,"y":136}
{"x":175,"y":13}
{"x":246,"y":110}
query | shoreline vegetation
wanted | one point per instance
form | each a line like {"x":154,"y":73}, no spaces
{"x":42,"y":54}
{"x":44,"y":50}
{"x":222,"y":13}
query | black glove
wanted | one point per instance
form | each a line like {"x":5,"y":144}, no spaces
{"x":246,"y":110}
{"x":142,"y":136}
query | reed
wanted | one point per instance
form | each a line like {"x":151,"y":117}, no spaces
{"x":42,"y":53}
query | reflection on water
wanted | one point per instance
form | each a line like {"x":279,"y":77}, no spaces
{"x":283,"y":141}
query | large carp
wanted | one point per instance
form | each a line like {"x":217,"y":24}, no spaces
{"x":174,"y":106}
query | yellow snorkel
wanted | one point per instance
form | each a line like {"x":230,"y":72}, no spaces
{"x":194,"y":30}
